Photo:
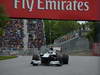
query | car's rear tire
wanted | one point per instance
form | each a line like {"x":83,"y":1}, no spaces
{"x":65,"y":59}
{"x":35,"y":57}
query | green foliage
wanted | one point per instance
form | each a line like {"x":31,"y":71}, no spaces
{"x":3,"y":20}
{"x":55,"y":29}
{"x":1,"y":31}
{"x":92,"y":32}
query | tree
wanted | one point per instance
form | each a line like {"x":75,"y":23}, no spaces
{"x":97,"y":32}
{"x":55,"y":29}
{"x":3,"y":20}
{"x":94,"y":33}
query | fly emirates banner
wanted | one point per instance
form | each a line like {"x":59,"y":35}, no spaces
{"x":53,"y":9}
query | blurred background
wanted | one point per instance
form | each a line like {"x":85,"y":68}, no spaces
{"x":28,"y":36}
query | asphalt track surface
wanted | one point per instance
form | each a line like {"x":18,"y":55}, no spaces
{"x":78,"y":65}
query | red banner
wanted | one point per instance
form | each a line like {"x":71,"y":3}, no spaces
{"x":96,"y":49}
{"x":53,"y":9}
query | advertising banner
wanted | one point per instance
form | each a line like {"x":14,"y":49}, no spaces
{"x":96,"y":49}
{"x":53,"y":9}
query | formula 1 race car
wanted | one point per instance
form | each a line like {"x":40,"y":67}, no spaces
{"x":50,"y":58}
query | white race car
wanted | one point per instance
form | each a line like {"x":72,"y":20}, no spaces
{"x":51,"y":58}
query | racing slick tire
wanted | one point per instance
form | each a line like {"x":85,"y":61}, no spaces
{"x":65,"y":59}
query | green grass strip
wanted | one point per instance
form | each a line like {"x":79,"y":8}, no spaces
{"x":7,"y":57}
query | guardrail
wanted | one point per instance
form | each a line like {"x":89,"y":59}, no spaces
{"x":76,"y":43}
